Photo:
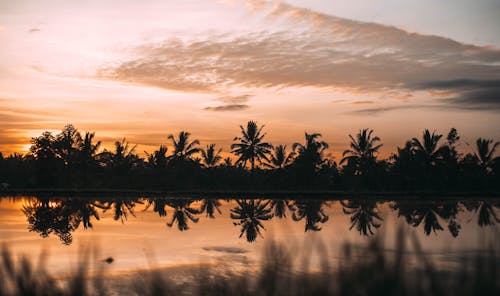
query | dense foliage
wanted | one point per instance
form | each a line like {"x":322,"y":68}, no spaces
{"x":71,"y":159}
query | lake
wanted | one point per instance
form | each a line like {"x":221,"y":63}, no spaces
{"x":147,"y":233}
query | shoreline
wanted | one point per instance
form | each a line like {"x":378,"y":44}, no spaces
{"x":248,"y":194}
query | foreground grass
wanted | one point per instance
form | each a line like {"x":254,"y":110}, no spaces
{"x":369,"y":270}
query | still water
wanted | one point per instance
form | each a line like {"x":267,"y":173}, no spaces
{"x":141,"y":233}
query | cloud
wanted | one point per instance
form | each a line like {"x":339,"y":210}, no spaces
{"x":234,"y":99}
{"x":378,"y":110}
{"x":362,"y":102}
{"x":315,"y":50}
{"x":467,"y":93}
{"x":231,"y":103}
{"x":229,"y":107}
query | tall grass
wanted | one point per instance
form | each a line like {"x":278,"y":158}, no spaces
{"x":367,"y":270}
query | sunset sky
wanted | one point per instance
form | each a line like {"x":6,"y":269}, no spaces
{"x":145,"y":69}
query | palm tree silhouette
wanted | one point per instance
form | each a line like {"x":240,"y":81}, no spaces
{"x":67,"y":142}
{"x":228,"y":162}
{"x":364,"y":215}
{"x":183,"y":212}
{"x":485,"y":153}
{"x":88,"y":153}
{"x":122,"y":157}
{"x":250,"y":213}
{"x":210,"y":205}
{"x":183,"y":149}
{"x":310,"y":153}
{"x":158,"y":159}
{"x":210,"y":157}
{"x":363,"y":149}
{"x":88,"y":150}
{"x":251,"y":146}
{"x":279,"y":158}
{"x":428,"y":149}
{"x":312,"y":211}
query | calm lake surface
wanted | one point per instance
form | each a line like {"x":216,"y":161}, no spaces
{"x":143,"y":233}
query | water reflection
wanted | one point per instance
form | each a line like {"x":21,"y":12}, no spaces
{"x":249,"y":214}
{"x":429,"y":213}
{"x":62,"y":216}
{"x":312,"y":211}
{"x":183,"y":213}
{"x":364,"y":215}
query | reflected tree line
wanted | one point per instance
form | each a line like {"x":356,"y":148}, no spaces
{"x":74,"y":159}
{"x":63,"y":216}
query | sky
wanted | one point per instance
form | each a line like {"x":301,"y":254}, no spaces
{"x":145,"y":69}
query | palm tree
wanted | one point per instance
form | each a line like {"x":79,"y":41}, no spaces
{"x":122,"y":156}
{"x":251,"y":146}
{"x":183,"y":212}
{"x":363,"y":149}
{"x":250,"y":213}
{"x":158,"y":158}
{"x":88,"y":150}
{"x":312,"y":211}
{"x":311,"y":153}
{"x":67,"y":142}
{"x":364,"y":214}
{"x":485,"y":153}
{"x":211,"y":157}
{"x":428,"y":150}
{"x":280,"y":158}
{"x":228,"y":162}
{"x":183,"y":149}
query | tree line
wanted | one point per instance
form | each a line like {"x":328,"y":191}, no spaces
{"x":71,"y":159}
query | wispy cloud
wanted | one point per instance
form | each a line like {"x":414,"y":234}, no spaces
{"x":229,"y":107}
{"x":231,"y":103}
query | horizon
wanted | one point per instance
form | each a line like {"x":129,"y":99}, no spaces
{"x":144,"y":71}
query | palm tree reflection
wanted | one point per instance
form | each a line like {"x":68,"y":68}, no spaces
{"x":121,"y":207}
{"x":46,"y":218}
{"x":279,"y":206}
{"x":209,"y":206}
{"x":486,"y":214}
{"x":183,"y":212}
{"x":250,"y":213}
{"x":364,"y":215}
{"x":159,"y":205}
{"x":429,"y":214}
{"x":312,"y":211}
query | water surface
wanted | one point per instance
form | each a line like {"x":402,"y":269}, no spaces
{"x":173,"y":232}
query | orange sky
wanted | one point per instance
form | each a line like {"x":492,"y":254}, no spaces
{"x":144,"y":71}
